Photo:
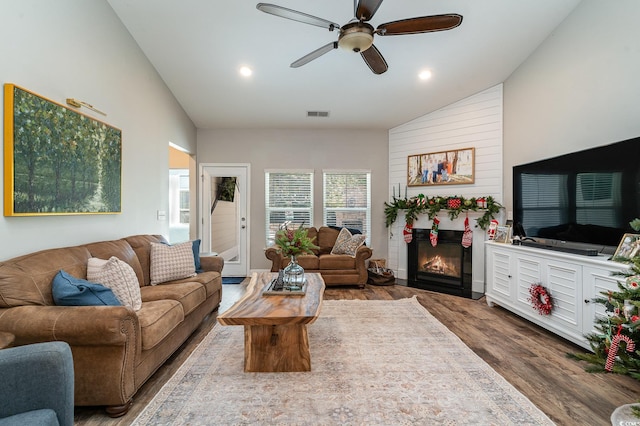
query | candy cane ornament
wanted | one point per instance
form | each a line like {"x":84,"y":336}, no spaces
{"x":613,"y":350}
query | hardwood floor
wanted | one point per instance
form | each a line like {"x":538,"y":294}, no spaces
{"x":527,"y":356}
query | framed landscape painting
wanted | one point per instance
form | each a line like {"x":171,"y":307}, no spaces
{"x":441,"y":168}
{"x":58,"y":161}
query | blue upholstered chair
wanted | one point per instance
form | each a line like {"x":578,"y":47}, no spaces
{"x":36,"y":385}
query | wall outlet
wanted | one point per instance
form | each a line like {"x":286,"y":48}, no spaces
{"x":162,"y":215}
{"x":510,"y":215}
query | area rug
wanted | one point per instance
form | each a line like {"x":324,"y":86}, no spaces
{"x":373,"y":363}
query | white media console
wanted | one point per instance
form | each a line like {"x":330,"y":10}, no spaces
{"x":572,"y":280}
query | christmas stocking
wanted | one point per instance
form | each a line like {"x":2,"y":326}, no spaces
{"x":433,"y":235}
{"x":407,"y":233}
{"x":467,"y":235}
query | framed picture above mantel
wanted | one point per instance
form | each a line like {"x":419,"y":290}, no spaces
{"x":453,"y":167}
{"x":58,"y":161}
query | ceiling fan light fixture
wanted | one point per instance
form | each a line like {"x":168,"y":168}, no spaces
{"x":356,"y":37}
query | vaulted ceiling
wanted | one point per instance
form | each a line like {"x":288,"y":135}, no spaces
{"x":198,"y":47}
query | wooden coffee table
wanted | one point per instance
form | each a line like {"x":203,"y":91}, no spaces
{"x":275,"y":327}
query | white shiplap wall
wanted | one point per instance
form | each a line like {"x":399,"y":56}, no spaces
{"x":474,"y":122}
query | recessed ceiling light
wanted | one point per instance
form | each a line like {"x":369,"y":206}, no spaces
{"x":245,"y":71}
{"x":424,"y":75}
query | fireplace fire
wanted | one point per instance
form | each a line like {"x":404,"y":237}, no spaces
{"x":439,"y":265}
{"x":445,"y":268}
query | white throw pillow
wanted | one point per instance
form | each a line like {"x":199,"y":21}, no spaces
{"x":119,"y":276}
{"x":348,"y":244}
{"x":171,"y":262}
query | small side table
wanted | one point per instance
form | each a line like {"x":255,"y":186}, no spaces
{"x":6,"y":339}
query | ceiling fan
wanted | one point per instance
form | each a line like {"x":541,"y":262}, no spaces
{"x":357,"y":34}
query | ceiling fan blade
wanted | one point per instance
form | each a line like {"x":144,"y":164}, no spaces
{"x":374,"y":59}
{"x":365,"y":9}
{"x":423,"y":24}
{"x":315,"y":54}
{"x":294,"y":15}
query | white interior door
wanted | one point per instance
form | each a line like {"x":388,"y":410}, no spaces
{"x":224,"y":196}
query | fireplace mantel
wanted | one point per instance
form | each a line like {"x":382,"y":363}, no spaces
{"x":397,"y":259}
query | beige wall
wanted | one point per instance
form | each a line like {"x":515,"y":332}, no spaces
{"x":580,"y":88}
{"x":305,"y":149}
{"x":80,"y":49}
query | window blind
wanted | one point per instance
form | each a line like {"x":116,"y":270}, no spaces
{"x":288,"y":197}
{"x":347,"y":200}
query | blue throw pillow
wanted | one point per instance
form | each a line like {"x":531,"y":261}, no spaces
{"x":196,"y":254}
{"x":71,"y":291}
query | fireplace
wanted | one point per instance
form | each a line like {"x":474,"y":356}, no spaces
{"x":445,"y":268}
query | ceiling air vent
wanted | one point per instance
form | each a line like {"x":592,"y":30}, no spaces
{"x":317,"y":113}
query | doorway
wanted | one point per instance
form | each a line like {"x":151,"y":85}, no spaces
{"x":224,"y":207}
{"x":181,"y":195}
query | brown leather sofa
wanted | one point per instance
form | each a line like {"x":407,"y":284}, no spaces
{"x":115,"y":349}
{"x":336,"y":269}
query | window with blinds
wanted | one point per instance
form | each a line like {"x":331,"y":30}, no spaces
{"x":347,"y":199}
{"x":288,"y":197}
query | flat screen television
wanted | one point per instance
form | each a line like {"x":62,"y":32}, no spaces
{"x":586,"y":197}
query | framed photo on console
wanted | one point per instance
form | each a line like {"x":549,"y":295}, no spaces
{"x":629,"y":247}
{"x":503,"y":234}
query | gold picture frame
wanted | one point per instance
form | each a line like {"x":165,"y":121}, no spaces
{"x":58,"y":161}
{"x":628,"y":247}
{"x":452,"y":167}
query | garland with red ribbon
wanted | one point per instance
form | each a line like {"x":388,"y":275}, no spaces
{"x":540,"y":299}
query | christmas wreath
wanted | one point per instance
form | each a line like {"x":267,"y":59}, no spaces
{"x":540,"y":299}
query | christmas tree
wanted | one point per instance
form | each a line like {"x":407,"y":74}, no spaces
{"x":616,"y":342}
